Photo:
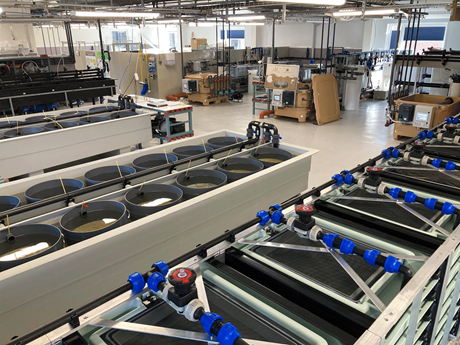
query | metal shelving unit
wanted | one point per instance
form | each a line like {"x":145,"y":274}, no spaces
{"x":260,"y":95}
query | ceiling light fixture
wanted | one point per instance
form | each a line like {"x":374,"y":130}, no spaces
{"x":313,"y":2}
{"x":240,"y":18}
{"x":251,"y":23}
{"x":168,"y":21}
{"x":201,"y":24}
{"x":366,"y":13}
{"x":117,"y":14}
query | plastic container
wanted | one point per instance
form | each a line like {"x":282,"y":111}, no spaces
{"x":42,"y":238}
{"x":218,"y":142}
{"x":200,"y":181}
{"x":159,"y":197}
{"x":103,"y":108}
{"x":236,"y":168}
{"x":6,"y":123}
{"x":35,"y":118}
{"x":14,"y":133}
{"x":189,"y":151}
{"x":270,"y":156}
{"x":122,"y":113}
{"x":152,"y":160}
{"x":51,"y":188}
{"x":8,"y":203}
{"x":86,"y":120}
{"x":64,"y":124}
{"x":107,"y":173}
{"x":95,"y":219}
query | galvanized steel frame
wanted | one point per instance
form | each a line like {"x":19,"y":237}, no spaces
{"x":410,"y":297}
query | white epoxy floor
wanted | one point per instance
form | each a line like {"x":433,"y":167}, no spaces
{"x":343,"y":144}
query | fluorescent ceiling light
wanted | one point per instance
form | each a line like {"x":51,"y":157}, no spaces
{"x":117,"y":14}
{"x":1,"y":10}
{"x":168,"y":21}
{"x":240,"y":18}
{"x":47,"y":26}
{"x":202,"y":24}
{"x":366,"y":13}
{"x":313,"y":2}
{"x":253,"y":23}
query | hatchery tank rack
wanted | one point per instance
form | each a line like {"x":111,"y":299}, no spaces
{"x":415,"y":302}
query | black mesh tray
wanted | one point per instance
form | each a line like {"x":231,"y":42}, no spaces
{"x":321,"y":267}
{"x":246,"y":321}
{"x":390,"y":211}
{"x":425,"y":175}
{"x":449,"y":151}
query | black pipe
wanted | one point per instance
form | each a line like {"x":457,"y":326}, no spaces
{"x":327,"y":47}
{"x":217,"y":47}
{"x":321,"y":51}
{"x":333,"y":42}
{"x":181,"y":45}
{"x":401,"y":68}
{"x":393,"y":67}
{"x":273,"y":43}
{"x":102,"y":45}
{"x":415,"y":46}
{"x":410,"y":48}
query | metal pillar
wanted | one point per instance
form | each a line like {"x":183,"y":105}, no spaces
{"x":321,"y":50}
{"x":272,"y":55}
{"x":333,"y":43}
{"x":181,"y":44}
{"x":327,"y":48}
{"x":102,"y":45}
{"x":390,"y":96}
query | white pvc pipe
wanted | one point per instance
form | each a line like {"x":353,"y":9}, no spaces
{"x":278,"y":317}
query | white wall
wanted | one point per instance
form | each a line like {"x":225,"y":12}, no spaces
{"x":10,"y":32}
{"x":209,"y":32}
{"x":382,"y":30}
{"x":348,"y":34}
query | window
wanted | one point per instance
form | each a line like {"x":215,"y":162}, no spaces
{"x":172,"y":40}
{"x":428,"y":36}
{"x":236,"y":38}
{"x":119,"y":37}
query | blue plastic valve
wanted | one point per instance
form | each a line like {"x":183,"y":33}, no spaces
{"x":410,"y":197}
{"x":162,"y":266}
{"x":228,"y":334}
{"x":155,"y":279}
{"x":339,"y":179}
{"x":436,"y":162}
{"x":448,"y":208}
{"x":137,"y":281}
{"x":276,"y":217}
{"x":370,"y":256}
{"x":430,"y":203}
{"x":208,"y":319}
{"x":394,"y":192}
{"x":264,"y":216}
{"x":346,"y":247}
{"x":450,"y":165}
{"x":328,"y":239}
{"x":392,"y":264}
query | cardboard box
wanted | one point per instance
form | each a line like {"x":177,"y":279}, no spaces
{"x":283,"y":77}
{"x":198,"y":42}
{"x":203,"y":84}
{"x":441,"y":111}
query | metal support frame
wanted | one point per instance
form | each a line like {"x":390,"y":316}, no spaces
{"x":272,"y":55}
{"x":393,"y":66}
